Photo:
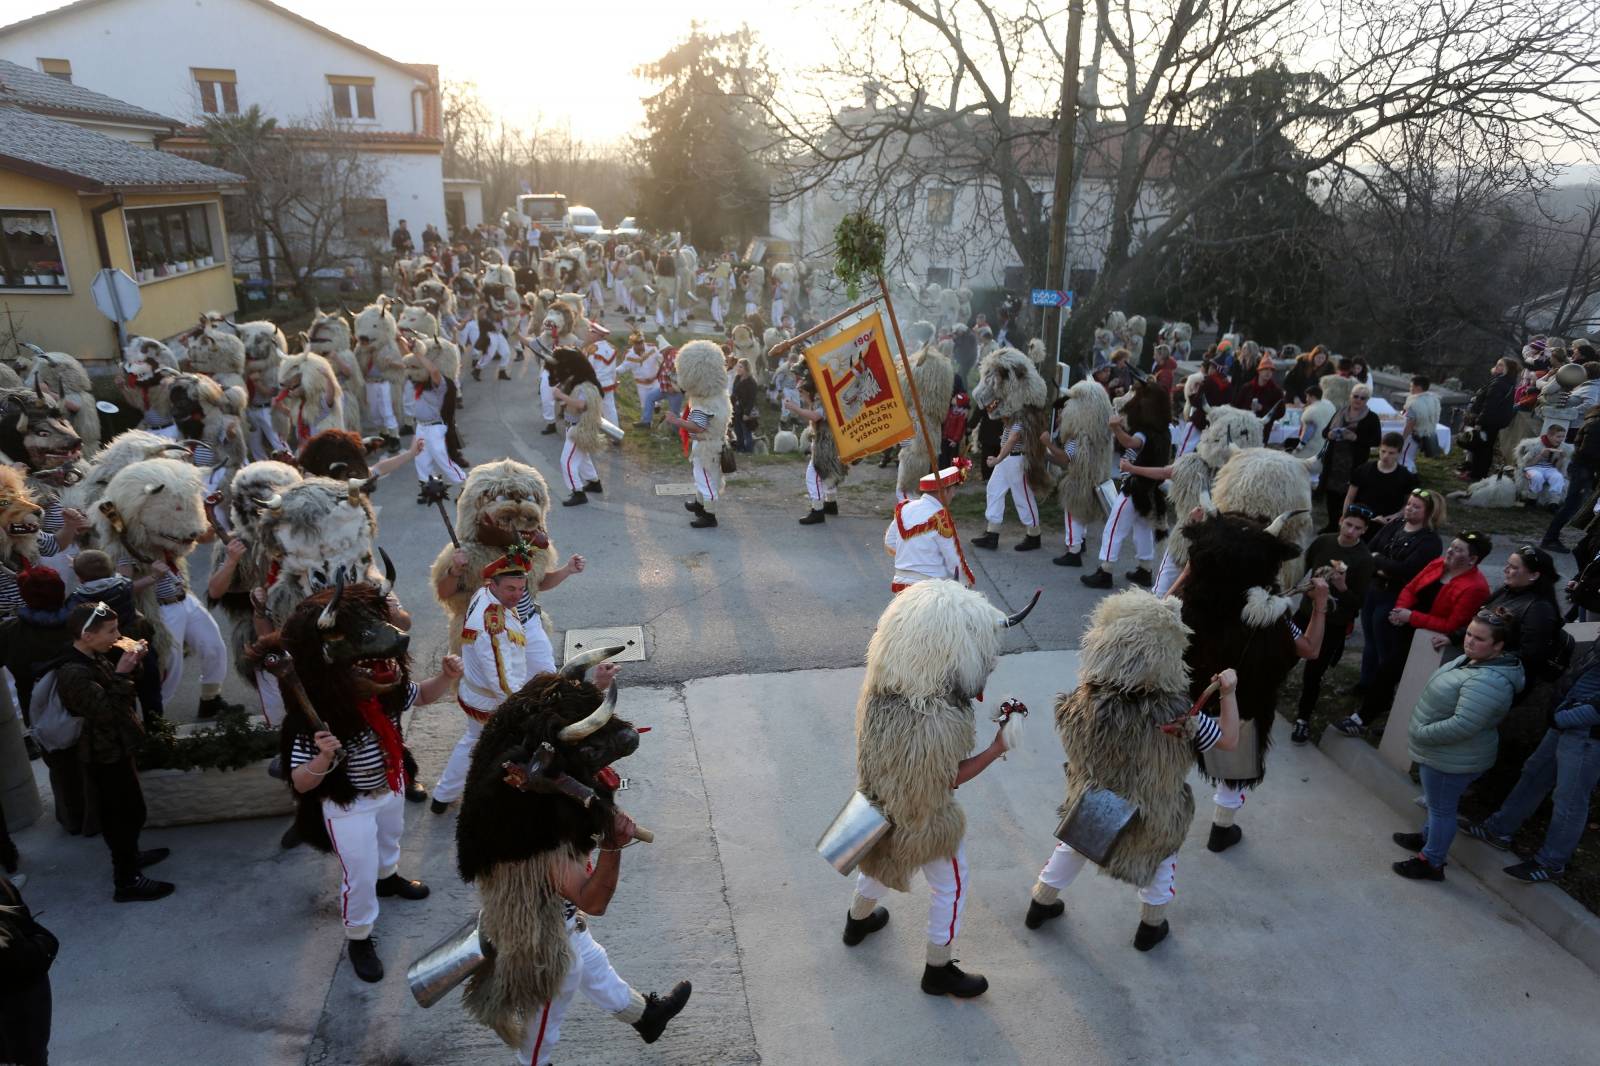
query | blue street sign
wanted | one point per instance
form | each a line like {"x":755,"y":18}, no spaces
{"x":1052,"y":298}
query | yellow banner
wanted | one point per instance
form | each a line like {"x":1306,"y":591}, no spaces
{"x":860,"y":391}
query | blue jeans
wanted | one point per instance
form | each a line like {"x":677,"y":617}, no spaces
{"x":1375,"y":634}
{"x":1569,"y":763}
{"x":1443,"y":793}
{"x":655,"y":396}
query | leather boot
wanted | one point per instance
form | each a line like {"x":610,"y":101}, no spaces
{"x":659,"y":1010}
{"x":951,"y":980}
{"x":988,"y":540}
{"x":364,"y":959}
{"x":858,"y":929}
{"x":1039,"y":913}
{"x":395,"y":885}
{"x":814,"y":518}
{"x":830,"y":507}
{"x":1030,"y":542}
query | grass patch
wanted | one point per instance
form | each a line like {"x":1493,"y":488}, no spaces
{"x":1506,"y":524}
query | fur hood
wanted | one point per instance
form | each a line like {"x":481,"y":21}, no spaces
{"x":1136,"y":642}
{"x":1262,"y":483}
{"x":123,"y":450}
{"x":307,"y":385}
{"x":316,"y":529}
{"x":252,"y":486}
{"x":1009,"y":383}
{"x":1336,"y":389}
{"x":1228,"y":431}
{"x":940,"y":643}
{"x":19,"y":520}
{"x":702,"y":373}
{"x":217,"y":353}
{"x":329,"y":333}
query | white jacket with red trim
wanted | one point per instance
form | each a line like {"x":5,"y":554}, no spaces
{"x":922,"y":538}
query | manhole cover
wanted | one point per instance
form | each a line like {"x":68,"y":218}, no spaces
{"x":582,"y":640}
{"x":676,"y":488}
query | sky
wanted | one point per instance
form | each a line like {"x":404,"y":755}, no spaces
{"x":507,"y":49}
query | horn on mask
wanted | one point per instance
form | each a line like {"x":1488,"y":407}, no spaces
{"x":599,"y":717}
{"x":1016,"y":619}
{"x":330,"y":614}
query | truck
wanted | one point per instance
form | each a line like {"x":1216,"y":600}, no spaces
{"x":547,"y":210}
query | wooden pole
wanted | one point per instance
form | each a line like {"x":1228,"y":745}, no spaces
{"x":1056,"y":273}
{"x":911,"y":380}
{"x":782,"y":347}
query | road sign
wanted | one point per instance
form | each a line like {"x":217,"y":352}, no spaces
{"x":116,"y":295}
{"x":1052,"y":298}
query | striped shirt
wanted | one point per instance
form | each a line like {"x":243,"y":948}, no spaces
{"x":204,"y":454}
{"x":52,"y":520}
{"x":10,"y":595}
{"x":363,"y":757}
{"x":702,"y":419}
{"x":1206,"y":734}
{"x":1132,"y":454}
{"x":526,"y":607}
{"x":170,"y":587}
{"x":1071,"y":449}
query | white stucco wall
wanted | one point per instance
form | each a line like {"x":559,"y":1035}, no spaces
{"x":471,"y":200}
{"x":142,"y":51}
{"x":413,"y":185}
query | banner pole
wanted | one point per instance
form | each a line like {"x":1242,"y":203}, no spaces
{"x":782,"y":347}
{"x":911,"y":380}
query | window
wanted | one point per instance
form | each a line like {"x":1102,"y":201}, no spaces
{"x":352,"y":97}
{"x":30,"y":251}
{"x":940,"y":276}
{"x":172,"y":240}
{"x":941,"y":207}
{"x":366,"y":218}
{"x":56,"y":68}
{"x":219,"y":94}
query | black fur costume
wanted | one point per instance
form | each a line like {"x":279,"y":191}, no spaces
{"x":336,"y":453}
{"x":1149,"y":411}
{"x":571,"y":368}
{"x":1233,"y":572}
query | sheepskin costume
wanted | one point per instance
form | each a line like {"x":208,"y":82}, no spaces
{"x":1228,"y":431}
{"x":1264,"y":483}
{"x":1083,"y":422}
{"x":153,"y":511}
{"x":501,"y":503}
{"x":63,"y":377}
{"x":572,"y":372}
{"x":315,"y":531}
{"x":331,"y":338}
{"x":703,"y":377}
{"x":377,"y":348}
{"x":1336,"y":389}
{"x":121,"y":451}
{"x":1499,"y":489}
{"x":934,"y":375}
{"x":146,"y":363}
{"x":1132,"y":337}
{"x":35,"y":432}
{"x":309,"y":390}
{"x":746,"y":346}
{"x":825,"y":472}
{"x":216,"y":351}
{"x":19,"y":525}
{"x":1132,"y":680}
{"x":206,"y":412}
{"x":1010,"y":390}
{"x":931,"y":655}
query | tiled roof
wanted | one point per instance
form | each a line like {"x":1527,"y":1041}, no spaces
{"x":47,"y":94}
{"x":58,"y":151}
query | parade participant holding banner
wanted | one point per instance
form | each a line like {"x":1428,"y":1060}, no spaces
{"x":824,"y":471}
{"x":1131,"y":736}
{"x":922,"y":535}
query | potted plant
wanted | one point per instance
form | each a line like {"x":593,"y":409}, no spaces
{"x":211,"y":774}
{"x":203,"y":255}
{"x":28,"y":276}
{"x":53,"y":273}
{"x":163,"y":268}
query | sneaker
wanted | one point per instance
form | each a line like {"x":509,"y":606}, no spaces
{"x":1478,"y":831}
{"x":951,"y":980}
{"x":395,"y":885}
{"x":659,"y":1010}
{"x":1100,"y":579}
{"x":814,"y":518}
{"x":1039,"y":913}
{"x":990,"y":541}
{"x":1531,"y":873}
{"x":1302,"y":731}
{"x":142,"y":890}
{"x":1069,"y":558}
{"x":153,"y":856}
{"x":1149,"y":935}
{"x":364,"y":959}
{"x":1417,"y":868}
{"x":858,"y":929}
{"x":1141,"y":577}
{"x":1030,"y":542}
{"x":1412,"y":842}
{"x":1223,"y":837}
{"x":1351,"y":726}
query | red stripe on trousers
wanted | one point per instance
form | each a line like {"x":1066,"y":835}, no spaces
{"x":572,"y":482}
{"x":1111,"y":532}
{"x":955,"y":908}
{"x":544,"y":1017}
{"x":1069,"y":529}
{"x":344,"y":890}
{"x":1027,"y":493}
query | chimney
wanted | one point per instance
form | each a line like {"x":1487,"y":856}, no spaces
{"x":869,"y":91}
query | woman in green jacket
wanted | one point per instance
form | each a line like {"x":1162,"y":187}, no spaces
{"x":1454,"y":734}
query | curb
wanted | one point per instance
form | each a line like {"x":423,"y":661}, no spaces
{"x":1558,"y":915}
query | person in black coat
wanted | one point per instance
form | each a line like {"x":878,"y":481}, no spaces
{"x":27,"y":950}
{"x":1399,"y":552}
{"x":1490,"y":411}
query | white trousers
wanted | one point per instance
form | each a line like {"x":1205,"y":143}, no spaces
{"x":947,"y":894}
{"x":499,"y":349}
{"x":716,"y":309}
{"x":577,"y":466}
{"x":1066,"y":864}
{"x":170,"y":430}
{"x":264,"y":438}
{"x":1408,"y":453}
{"x":453,"y":781}
{"x":1546,"y":483}
{"x":366,"y":838}
{"x":1185,"y":441}
{"x":1231,"y":798}
{"x":408,"y":400}
{"x":819,"y":491}
{"x":1168,"y":574}
{"x":1074,"y":532}
{"x":547,"y":399}
{"x":192,"y":626}
{"x":272,"y":708}
{"x":1011,"y":476}
{"x":705,"y":483}
{"x":380,"y":406}
{"x":608,"y":404}
{"x":434,"y":458}
{"x":592,"y":974}
{"x":1123,"y":520}
{"x":777,"y":310}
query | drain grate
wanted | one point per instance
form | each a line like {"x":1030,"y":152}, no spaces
{"x":582,"y":640}
{"x":676,"y":488}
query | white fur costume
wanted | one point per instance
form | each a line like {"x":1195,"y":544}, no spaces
{"x":703,"y":377}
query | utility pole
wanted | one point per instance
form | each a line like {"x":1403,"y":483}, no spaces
{"x":1066,"y":145}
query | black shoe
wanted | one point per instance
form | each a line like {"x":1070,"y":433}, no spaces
{"x":364,"y":959}
{"x":395,"y":885}
{"x":830,"y":507}
{"x":593,"y":486}
{"x":1039,"y":913}
{"x":949,"y":980}
{"x":1140,"y":576}
{"x":391,"y":444}
{"x":1100,"y":579}
{"x":659,"y":1010}
{"x":1149,"y":935}
{"x":1531,"y":873}
{"x":1412,"y":842}
{"x":142,"y":890}
{"x":438,"y":806}
{"x":707,"y":520}
{"x":694,"y":507}
{"x":1030,"y":542}
{"x":814,"y":518}
{"x":9,"y":859}
{"x":212,"y":706}
{"x":520,"y":356}
{"x":477,"y":375}
{"x":408,"y":431}
{"x":153,"y":856}
{"x":548,"y":430}
{"x":858,"y":929}
{"x":990,"y":541}
{"x":1302,"y":731}
{"x":1069,"y":558}
{"x":415,"y":793}
{"x":576,"y":499}
{"x":290,"y":838}
{"x":502,"y":375}
{"x":1555,"y":546}
{"x":1417,"y":868}
{"x":1224,"y":837}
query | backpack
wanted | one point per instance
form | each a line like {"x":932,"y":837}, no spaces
{"x":53,"y":726}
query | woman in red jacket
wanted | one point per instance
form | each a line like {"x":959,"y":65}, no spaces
{"x":1442,"y":598}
